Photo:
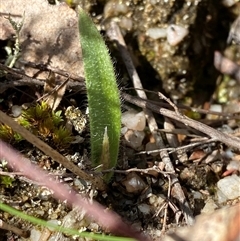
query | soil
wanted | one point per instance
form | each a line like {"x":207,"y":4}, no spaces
{"x":185,"y":73}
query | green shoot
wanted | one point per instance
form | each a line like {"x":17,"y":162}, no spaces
{"x":103,"y":95}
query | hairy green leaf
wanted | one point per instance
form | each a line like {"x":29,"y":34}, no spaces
{"x":103,"y":95}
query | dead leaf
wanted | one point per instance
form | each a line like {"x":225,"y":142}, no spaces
{"x":197,"y":155}
{"x":53,"y":93}
{"x":49,"y":35}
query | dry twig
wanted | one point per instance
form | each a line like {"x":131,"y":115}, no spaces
{"x":226,"y":116}
{"x":19,"y":232}
{"x":23,"y":79}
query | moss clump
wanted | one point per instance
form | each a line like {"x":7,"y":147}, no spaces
{"x":6,"y":181}
{"x":8,"y":135}
{"x":44,"y":123}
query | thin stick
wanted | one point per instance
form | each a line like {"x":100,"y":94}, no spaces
{"x":19,"y":232}
{"x":185,"y":107}
{"x":174,"y":149}
{"x":162,"y":96}
{"x":167,"y":203}
{"x":54,"y":90}
{"x":146,"y":170}
{"x":24,"y":79}
{"x":44,"y":67}
{"x":115,"y":34}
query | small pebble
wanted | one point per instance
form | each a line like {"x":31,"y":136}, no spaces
{"x":156,"y":33}
{"x":34,"y":235}
{"x":134,"y":138}
{"x":134,"y":183}
{"x":133,"y":120}
{"x":197,"y":195}
{"x":126,"y":23}
{"x":209,"y":207}
{"x":175,"y":34}
{"x":229,"y":187}
{"x":114,"y":8}
{"x":54,"y":222}
{"x":44,"y":194}
{"x":16,"y":110}
{"x":228,"y":3}
{"x":157,"y":200}
{"x":152,"y":147}
{"x":216,"y":108}
{"x":144,"y":208}
{"x":234,"y":165}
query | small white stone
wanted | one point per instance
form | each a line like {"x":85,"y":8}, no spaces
{"x":197,"y":195}
{"x":134,"y":138}
{"x":157,"y":33}
{"x":209,"y":207}
{"x":234,"y":165}
{"x":229,"y":187}
{"x":44,"y":194}
{"x":215,"y":108}
{"x":228,"y":3}
{"x":221,"y":197}
{"x":114,"y":8}
{"x":34,"y":235}
{"x":126,"y":23}
{"x":53,"y":222}
{"x":156,"y":200}
{"x":175,"y":34}
{"x":134,"y":183}
{"x":144,"y":208}
{"x":133,"y":120}
{"x":16,"y":110}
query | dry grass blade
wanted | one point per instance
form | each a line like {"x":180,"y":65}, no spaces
{"x":56,"y":156}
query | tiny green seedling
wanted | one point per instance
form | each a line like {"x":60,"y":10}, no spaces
{"x":103,"y":96}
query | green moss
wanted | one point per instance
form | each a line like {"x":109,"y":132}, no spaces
{"x":8,"y":135}
{"x":62,"y":137}
{"x":6,"y":181}
{"x":44,"y":123}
